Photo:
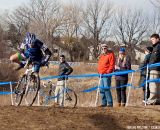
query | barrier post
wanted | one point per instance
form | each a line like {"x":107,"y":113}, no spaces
{"x":38,"y":102}
{"x":11,"y":93}
{"x":64,"y":91}
{"x":129,"y":90}
{"x":98,"y":90}
{"x":146,"y":86}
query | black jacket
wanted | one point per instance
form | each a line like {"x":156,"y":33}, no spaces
{"x":64,"y":69}
{"x":144,"y":64}
{"x":155,"y":56}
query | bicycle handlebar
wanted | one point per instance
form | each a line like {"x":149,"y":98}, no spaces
{"x":27,"y":63}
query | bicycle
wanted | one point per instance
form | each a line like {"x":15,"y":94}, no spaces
{"x":47,"y":95}
{"x":28,"y":86}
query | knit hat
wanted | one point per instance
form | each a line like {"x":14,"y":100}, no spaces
{"x":122,"y":50}
{"x":104,"y":46}
{"x":149,"y":49}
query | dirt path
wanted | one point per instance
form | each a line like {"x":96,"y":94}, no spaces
{"x":50,"y":118}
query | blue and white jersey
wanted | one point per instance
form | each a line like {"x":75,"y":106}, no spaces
{"x":36,"y":52}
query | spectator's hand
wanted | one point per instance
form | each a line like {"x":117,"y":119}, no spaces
{"x":117,"y":67}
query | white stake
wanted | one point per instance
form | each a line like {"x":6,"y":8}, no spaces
{"x":98,"y":90}
{"x":11,"y":93}
{"x":64,"y":91}
{"x":129,"y":90}
{"x":146,"y":87}
{"x":38,"y":103}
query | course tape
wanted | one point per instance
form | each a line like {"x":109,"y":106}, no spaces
{"x":90,"y":75}
{"x":101,"y":88}
{"x":150,"y":80}
{"x":6,"y":83}
{"x":5,"y":93}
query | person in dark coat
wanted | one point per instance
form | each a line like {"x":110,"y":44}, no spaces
{"x":154,"y":87}
{"x":148,"y":50}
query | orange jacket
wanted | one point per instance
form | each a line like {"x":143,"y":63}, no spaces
{"x":106,"y":63}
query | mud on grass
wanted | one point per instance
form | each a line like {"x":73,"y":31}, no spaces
{"x":50,"y":118}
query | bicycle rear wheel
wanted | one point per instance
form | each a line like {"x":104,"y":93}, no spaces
{"x":19,"y":91}
{"x":32,"y":89}
{"x":46,"y":96}
{"x":70,"y":98}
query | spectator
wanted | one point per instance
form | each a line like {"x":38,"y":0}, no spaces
{"x":154,"y":87}
{"x":64,"y":69}
{"x":148,"y":50}
{"x":123,"y":63}
{"x":106,"y":65}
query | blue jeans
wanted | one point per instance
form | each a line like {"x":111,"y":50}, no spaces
{"x":105,"y":91}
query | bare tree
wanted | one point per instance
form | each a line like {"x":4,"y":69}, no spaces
{"x":19,"y":18}
{"x":156,"y":3}
{"x":155,"y":18}
{"x":73,"y":19}
{"x":45,"y":17}
{"x":130,"y":28}
{"x":40,"y":16}
{"x":4,"y":51}
{"x":16,"y":26}
{"x":71,"y":27}
{"x":154,"y":26}
{"x":96,"y":18}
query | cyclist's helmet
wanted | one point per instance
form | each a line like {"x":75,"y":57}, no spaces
{"x":30,"y":38}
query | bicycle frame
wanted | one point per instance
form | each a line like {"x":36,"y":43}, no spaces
{"x":27,"y":72}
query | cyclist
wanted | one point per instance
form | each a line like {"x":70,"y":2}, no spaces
{"x":34,"y":50}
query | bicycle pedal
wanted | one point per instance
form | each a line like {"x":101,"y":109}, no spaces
{"x":18,"y":92}
{"x":70,"y":99}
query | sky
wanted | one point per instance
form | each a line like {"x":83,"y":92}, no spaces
{"x":10,"y":4}
{"x":145,"y":5}
{"x":142,"y":4}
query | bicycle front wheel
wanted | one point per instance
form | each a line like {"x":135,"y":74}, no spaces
{"x":19,"y":91}
{"x":70,"y":98}
{"x":32,"y":89}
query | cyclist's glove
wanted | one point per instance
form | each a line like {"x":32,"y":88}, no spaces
{"x":46,"y":57}
{"x":44,"y":62}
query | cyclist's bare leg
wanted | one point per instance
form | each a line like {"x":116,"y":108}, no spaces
{"x":14,"y":58}
{"x":17,"y":59}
